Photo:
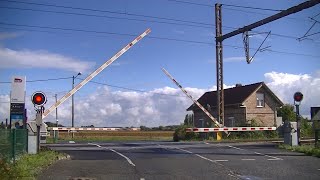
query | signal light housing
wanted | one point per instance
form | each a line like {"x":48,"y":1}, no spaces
{"x":38,"y":98}
{"x":298,"y":96}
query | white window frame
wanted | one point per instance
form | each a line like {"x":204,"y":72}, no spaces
{"x":260,"y":100}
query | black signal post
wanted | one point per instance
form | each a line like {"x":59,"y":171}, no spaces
{"x":298,"y":96}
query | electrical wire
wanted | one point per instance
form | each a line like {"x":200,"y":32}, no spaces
{"x":112,"y":12}
{"x":130,"y":89}
{"x":230,"y":5}
{"x":265,"y":14}
{"x":41,"y":80}
{"x":150,"y":37}
{"x":200,"y":25}
{"x":255,"y":8}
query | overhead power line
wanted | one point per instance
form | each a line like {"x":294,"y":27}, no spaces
{"x":107,"y":11}
{"x":230,"y":5}
{"x":264,"y":14}
{"x":150,"y":37}
{"x":200,"y":25}
{"x":256,"y":8}
{"x":130,"y":89}
{"x":240,"y":9}
{"x":40,"y":80}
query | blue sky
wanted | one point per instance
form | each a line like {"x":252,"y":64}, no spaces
{"x":49,"y":53}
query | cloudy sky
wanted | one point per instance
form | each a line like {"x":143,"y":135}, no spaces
{"x":49,"y":42}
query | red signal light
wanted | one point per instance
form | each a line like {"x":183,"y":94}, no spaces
{"x":38,"y":98}
{"x":298,"y":96}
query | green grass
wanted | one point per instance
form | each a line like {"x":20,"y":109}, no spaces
{"x":309,"y":150}
{"x":28,"y":166}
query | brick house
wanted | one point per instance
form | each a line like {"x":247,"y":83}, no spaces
{"x":242,"y":104}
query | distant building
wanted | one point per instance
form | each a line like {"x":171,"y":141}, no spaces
{"x":242,"y":104}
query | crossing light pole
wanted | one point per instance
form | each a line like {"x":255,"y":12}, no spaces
{"x":298,"y":96}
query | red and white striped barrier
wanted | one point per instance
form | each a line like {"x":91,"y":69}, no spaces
{"x":95,"y":73}
{"x":91,"y":129}
{"x":231,"y":129}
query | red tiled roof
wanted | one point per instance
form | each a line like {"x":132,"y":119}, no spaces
{"x":235,"y":95}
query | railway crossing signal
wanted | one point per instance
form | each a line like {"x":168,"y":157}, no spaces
{"x":298,"y":96}
{"x":38,"y":98}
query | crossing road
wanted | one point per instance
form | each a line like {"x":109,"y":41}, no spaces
{"x":182,"y":160}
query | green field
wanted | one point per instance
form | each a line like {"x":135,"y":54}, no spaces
{"x":114,"y":136}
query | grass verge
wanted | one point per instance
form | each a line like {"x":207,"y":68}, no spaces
{"x":28,"y":166}
{"x":309,"y":150}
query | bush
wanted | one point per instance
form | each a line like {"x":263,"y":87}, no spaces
{"x":181,"y":134}
{"x":306,"y":129}
{"x":253,"y":134}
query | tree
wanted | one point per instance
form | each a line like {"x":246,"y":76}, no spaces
{"x":51,"y":124}
{"x":144,"y":128}
{"x":186,"y":120}
{"x":287,"y":113}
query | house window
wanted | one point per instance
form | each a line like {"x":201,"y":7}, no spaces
{"x":260,"y":100}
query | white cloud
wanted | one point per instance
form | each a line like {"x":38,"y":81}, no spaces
{"x":8,"y":35}
{"x":285,"y":85}
{"x":235,"y":59}
{"x":231,"y":59}
{"x":118,"y":108}
{"x":179,"y":31}
{"x":41,"y":59}
{"x":106,"y":107}
{"x":4,"y":107}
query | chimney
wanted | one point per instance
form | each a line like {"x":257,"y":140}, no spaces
{"x":238,"y":85}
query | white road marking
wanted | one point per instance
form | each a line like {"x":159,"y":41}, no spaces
{"x":248,"y":159}
{"x":185,"y":150}
{"x":129,"y":160}
{"x":202,"y":157}
{"x":236,"y":148}
{"x":95,"y":144}
{"x":221,"y":160}
{"x":273,"y":157}
{"x":142,"y":179}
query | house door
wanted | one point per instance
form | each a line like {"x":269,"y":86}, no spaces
{"x":201,"y":122}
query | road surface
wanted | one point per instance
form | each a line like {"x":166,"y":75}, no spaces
{"x":182,"y":160}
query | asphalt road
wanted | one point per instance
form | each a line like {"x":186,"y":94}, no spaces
{"x":183,"y":160}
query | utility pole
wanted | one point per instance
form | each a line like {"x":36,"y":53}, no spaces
{"x":72,"y":108}
{"x":220,"y":38}
{"x":72,"y":105}
{"x":56,"y":96}
{"x":219,"y":66}
{"x":55,"y":133}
